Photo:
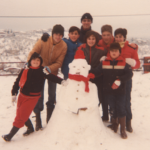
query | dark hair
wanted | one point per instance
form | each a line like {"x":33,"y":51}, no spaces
{"x":115,"y":45}
{"x":106,"y":28}
{"x":121,"y":31}
{"x":95,"y":34}
{"x":34,"y":56}
{"x":58,"y":28}
{"x":74,"y":28}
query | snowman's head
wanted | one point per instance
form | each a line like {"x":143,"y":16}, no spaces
{"x":79,"y":67}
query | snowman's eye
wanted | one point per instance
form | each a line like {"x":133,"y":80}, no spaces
{"x":74,"y":66}
{"x":83,"y":67}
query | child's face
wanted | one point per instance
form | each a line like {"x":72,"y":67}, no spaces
{"x":119,"y":38}
{"x":91,"y":40}
{"x":106,"y":36}
{"x":35,"y":62}
{"x":114,"y":53}
{"x":57,"y":37}
{"x":86,"y":23}
{"x":74,"y":36}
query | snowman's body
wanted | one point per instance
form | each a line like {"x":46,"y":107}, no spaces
{"x":73,"y":97}
{"x":76,"y":122}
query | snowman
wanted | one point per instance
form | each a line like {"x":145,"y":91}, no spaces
{"x":76,"y":121}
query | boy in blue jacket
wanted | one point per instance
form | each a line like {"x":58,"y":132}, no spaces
{"x":72,"y":45}
{"x":115,"y":75}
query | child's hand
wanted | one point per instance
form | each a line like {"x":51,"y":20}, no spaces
{"x":131,"y":62}
{"x":116,"y":84}
{"x":45,"y":37}
{"x":46,"y":70}
{"x":26,"y":65}
{"x":14,"y":99}
{"x":103,"y":58}
{"x":64,"y":82}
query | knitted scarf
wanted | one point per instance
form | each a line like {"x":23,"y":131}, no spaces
{"x":82,"y":78}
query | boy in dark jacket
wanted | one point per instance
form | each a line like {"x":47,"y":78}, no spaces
{"x":30,"y":81}
{"x":115,"y":74}
{"x":72,"y":45}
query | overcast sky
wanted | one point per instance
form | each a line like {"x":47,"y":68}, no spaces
{"x":72,"y":7}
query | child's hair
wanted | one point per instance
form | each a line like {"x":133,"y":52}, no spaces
{"x":34,"y":56}
{"x":107,"y":28}
{"x":115,"y":46}
{"x":74,"y":28}
{"x":121,"y":31}
{"x":95,"y":34}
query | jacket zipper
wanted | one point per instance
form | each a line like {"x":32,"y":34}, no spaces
{"x":51,"y":54}
{"x":90,"y":55}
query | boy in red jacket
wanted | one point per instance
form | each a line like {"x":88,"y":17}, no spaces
{"x":116,"y":72}
{"x":30,"y":81}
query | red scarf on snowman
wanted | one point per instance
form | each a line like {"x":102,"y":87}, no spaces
{"x":80,"y":55}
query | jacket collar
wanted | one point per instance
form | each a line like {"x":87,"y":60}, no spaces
{"x":84,"y":31}
{"x":120,"y":58}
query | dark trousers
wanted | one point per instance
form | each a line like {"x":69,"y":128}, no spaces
{"x":102,"y":100}
{"x":51,"y":98}
{"x":117,"y":104}
{"x":128,"y":100}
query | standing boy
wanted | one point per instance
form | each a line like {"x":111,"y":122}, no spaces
{"x":115,"y":75}
{"x":86,"y":21}
{"x":53,"y":52}
{"x":72,"y":44}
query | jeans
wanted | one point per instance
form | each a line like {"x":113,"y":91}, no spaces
{"x":117,"y":104}
{"x":51,"y":97}
{"x":128,"y":100}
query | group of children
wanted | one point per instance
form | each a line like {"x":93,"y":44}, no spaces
{"x":112,"y":59}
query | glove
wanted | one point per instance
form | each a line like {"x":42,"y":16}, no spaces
{"x":131,"y":62}
{"x":46,"y":70}
{"x":14,"y":99}
{"x":26,"y":66}
{"x":116,"y":84}
{"x":102,"y":58}
{"x":133,"y":45}
{"x":45,"y":37}
{"x":64,"y":82}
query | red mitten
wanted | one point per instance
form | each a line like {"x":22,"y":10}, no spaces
{"x":116,"y":84}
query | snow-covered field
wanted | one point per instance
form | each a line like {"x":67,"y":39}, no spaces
{"x":137,"y":140}
{"x":16,"y":48}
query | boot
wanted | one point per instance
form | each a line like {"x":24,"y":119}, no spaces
{"x":38,"y":125}
{"x":49,"y":113}
{"x":122,"y":122}
{"x":9,"y":136}
{"x":128,"y":126}
{"x":29,"y":126}
{"x":105,"y":119}
{"x":114,"y":125}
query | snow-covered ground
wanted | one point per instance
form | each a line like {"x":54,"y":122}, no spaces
{"x":137,"y":140}
{"x":16,"y":48}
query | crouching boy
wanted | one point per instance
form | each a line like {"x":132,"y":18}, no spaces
{"x":30,"y":81}
{"x":115,"y":74}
